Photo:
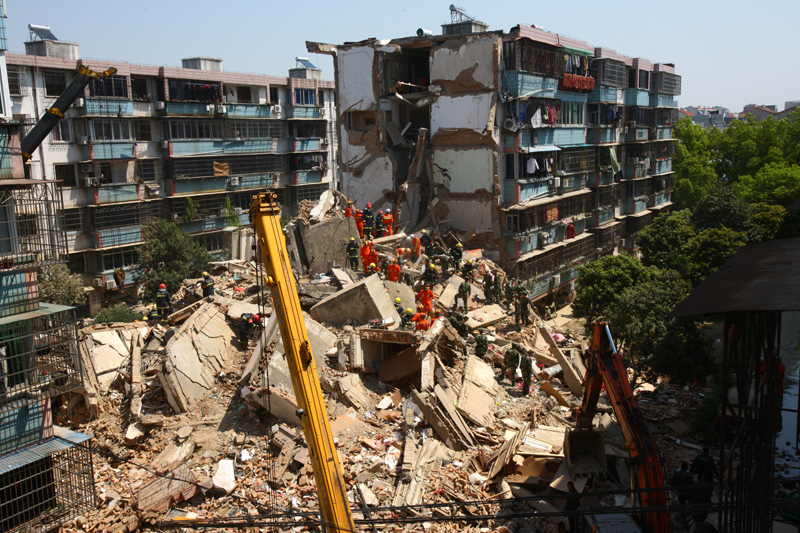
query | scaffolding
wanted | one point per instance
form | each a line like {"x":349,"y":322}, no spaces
{"x":47,"y":484}
{"x":38,"y":357}
{"x":31,"y":225}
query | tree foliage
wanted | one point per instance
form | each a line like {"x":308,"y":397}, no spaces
{"x":721,"y":209}
{"x":774,"y":183}
{"x":766,"y":222}
{"x":709,"y":250}
{"x":663,"y":242}
{"x":57,"y":285}
{"x":695,"y":175}
{"x":168,"y":255}
{"x":116,"y":313}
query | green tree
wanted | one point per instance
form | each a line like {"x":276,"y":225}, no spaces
{"x":58,"y":285}
{"x":663,"y":242}
{"x":695,"y":175}
{"x":230,"y":213}
{"x":191,"y":210}
{"x":765,"y":222}
{"x":774,"y":183}
{"x":710,"y":249}
{"x":117,"y":313}
{"x":721,"y":209}
{"x":168,"y":255}
{"x":601,"y":282}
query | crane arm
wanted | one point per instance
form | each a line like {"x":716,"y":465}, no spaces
{"x":605,"y":365}
{"x":334,"y":505}
{"x":51,"y":117}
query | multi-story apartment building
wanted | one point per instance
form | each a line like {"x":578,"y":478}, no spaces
{"x":188,"y":144}
{"x":541,"y":149}
{"x":46,"y":473}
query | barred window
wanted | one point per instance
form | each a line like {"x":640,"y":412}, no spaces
{"x":14,"y":80}
{"x":54,"y":83}
{"x":109,"y":87}
{"x":66,"y":173}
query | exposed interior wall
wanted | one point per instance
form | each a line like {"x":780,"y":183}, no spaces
{"x":464,"y":170}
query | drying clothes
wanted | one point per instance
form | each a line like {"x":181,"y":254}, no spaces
{"x":612,"y":155}
{"x":569,"y":233}
{"x":612,"y":114}
{"x":557,"y":182}
{"x":533,"y":165}
{"x":536,"y":119}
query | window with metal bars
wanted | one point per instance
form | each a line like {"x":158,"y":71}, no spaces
{"x":139,"y":89}
{"x":118,"y":258}
{"x":66,"y":173}
{"x":577,"y":161}
{"x":578,"y":250}
{"x":109,"y":87}
{"x":541,"y":61}
{"x":148,"y":169}
{"x":666,"y":83}
{"x":15,"y":83}
{"x":104,"y":129}
{"x":310,"y":192}
{"x":54,"y":83}
{"x":73,"y":219}
{"x":193,"y":90}
{"x":130,"y":214}
{"x":610,"y":72}
{"x":241,"y":165}
{"x":255,"y":129}
{"x":62,"y":131}
{"x":541,"y":264}
{"x":194,"y":129}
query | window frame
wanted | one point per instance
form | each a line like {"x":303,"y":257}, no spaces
{"x":304,"y":96}
{"x":55,"y":82}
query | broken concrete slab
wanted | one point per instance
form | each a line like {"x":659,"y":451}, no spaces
{"x":342,"y":277}
{"x":352,"y":389}
{"x":326,"y":241}
{"x":281,"y":404}
{"x":369,"y":348}
{"x":405,"y":364}
{"x":485,"y":316}
{"x":174,"y":455}
{"x":160,"y":493}
{"x":570,"y":374}
{"x":108,"y":351}
{"x":408,"y":300}
{"x":364,"y":301}
{"x":448,"y":296}
{"x":236,"y":309}
{"x":326,"y":202}
{"x":225,"y":479}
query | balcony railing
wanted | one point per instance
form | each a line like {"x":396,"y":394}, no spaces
{"x":186,"y":147}
{"x":249,"y":110}
{"x":304,"y":112}
{"x":523,"y":84}
{"x":662,"y":100}
{"x":605,"y":94}
{"x":306,"y":145}
{"x":106,"y":238}
{"x":302,"y":177}
{"x":186,"y":186}
{"x":188,"y":108}
{"x":106,"y":107}
{"x":112,"y":193}
{"x":637,"y":97}
{"x":109,"y":150}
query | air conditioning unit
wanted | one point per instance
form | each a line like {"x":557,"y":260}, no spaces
{"x":87,"y":167}
{"x":322,"y":112}
{"x":87,"y":182}
{"x":160,"y":106}
{"x":222,"y":109}
{"x":277,"y":109}
{"x":164,"y":145}
{"x":176,"y":217}
{"x":323,"y":142}
{"x":79,"y":102}
{"x":99,"y":282}
{"x":111,"y":284}
{"x":82,"y":139}
{"x":510,"y":124}
{"x":238,"y":210}
{"x":633,"y":160}
{"x":234,"y":181}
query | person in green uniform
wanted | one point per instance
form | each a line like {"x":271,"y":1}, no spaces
{"x":481,"y":343}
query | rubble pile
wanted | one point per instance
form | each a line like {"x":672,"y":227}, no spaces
{"x":191,"y":422}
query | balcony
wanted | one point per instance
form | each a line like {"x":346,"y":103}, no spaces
{"x":523,"y":84}
{"x":637,"y":97}
{"x":637,"y":134}
{"x":188,"y":109}
{"x":515,"y":191}
{"x":662,"y":100}
{"x":600,"y":178}
{"x":601,"y":134}
{"x":109,"y":150}
{"x":601,"y":216}
{"x":607,"y":237}
{"x":106,"y":107}
{"x":248,"y":110}
{"x":636,"y":205}
{"x":306,"y":145}
{"x":661,"y":167}
{"x":574,"y":82}
{"x":605,"y":94}
{"x":660,"y":198}
{"x":19,"y":291}
{"x":661,"y":133}
{"x":110,"y":237}
{"x":187,"y":186}
{"x":569,"y":135}
{"x":113,"y":193}
{"x":544,"y":137}
{"x":635,"y":223}
{"x":302,"y":177}
{"x":211,"y":224}
{"x":305,"y":112}
{"x":191,"y":147}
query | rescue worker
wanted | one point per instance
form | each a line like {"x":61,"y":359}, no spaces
{"x":380,"y":231}
{"x":369,"y":221}
{"x":119,"y":278}
{"x":352,"y":253}
{"x":522,"y":309}
{"x":469,"y":269}
{"x":373,"y":255}
{"x":394,"y":271}
{"x":359,"y":216}
{"x":405,"y":319}
{"x":398,"y":304}
{"x":424,"y":324}
{"x":416,"y":247}
{"x":498,"y":289}
{"x":427,"y":242}
{"x":388,"y":221}
{"x":481,"y":343}
{"x":366,"y":254}
{"x":488,"y":286}
{"x":163,"y":301}
{"x":207,"y":285}
{"x":371,"y":269}
{"x":425,"y":298}
{"x":464,"y":292}
{"x":247,"y":323}
{"x":527,"y":373}
{"x":430,"y":275}
{"x":155,"y":314}
{"x":457,"y":252}
{"x":348,"y":211}
{"x":511,"y":361}
{"x":459,"y":321}
{"x":509,"y":292}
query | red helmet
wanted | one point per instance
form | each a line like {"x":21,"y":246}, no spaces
{"x":162,"y":286}
{"x":380,"y":212}
{"x":369,"y":205}
{"x":257,"y":318}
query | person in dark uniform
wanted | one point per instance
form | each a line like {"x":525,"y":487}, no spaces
{"x":155,"y":314}
{"x":406,"y":316}
{"x":368,"y":218}
{"x":481,"y":343}
{"x":572,"y":505}
{"x":380,"y":231}
{"x":352,"y":254}
{"x":163,"y":301}
{"x":247,"y":324}
{"x":119,"y":278}
{"x":207,"y":285}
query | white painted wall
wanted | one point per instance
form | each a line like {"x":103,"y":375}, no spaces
{"x":464,"y":171}
{"x":376,"y":177}
{"x":471,"y":112}
{"x":478,"y":52}
{"x":470,"y":213}
{"x":355,"y":79}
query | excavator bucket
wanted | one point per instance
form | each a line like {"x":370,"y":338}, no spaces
{"x":585,"y":450}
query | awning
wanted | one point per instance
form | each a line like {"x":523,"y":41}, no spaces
{"x":539,"y":148}
{"x":63,"y":439}
{"x":577,"y":51}
{"x":533,"y":202}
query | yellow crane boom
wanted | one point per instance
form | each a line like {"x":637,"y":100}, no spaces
{"x":333,"y":503}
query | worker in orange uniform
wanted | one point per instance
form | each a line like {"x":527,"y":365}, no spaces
{"x":348,"y":211}
{"x":401,"y":254}
{"x":371,"y":269}
{"x":416,"y":247}
{"x":359,"y":216}
{"x":373,"y":255}
{"x":365,"y":254}
{"x":394,"y":271}
{"x":424,"y":324}
{"x":420,"y":314}
{"x":388,"y":220}
{"x":425,"y":298}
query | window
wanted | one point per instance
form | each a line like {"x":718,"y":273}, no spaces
{"x":66,"y":173}
{"x":273,"y":95}
{"x":61,"y":132}
{"x":361,"y":120}
{"x":198,"y":91}
{"x":321,"y":97}
{"x":54,"y":83}
{"x":139,"y":89}
{"x":194,"y":129}
{"x":73,"y":221}
{"x":310,"y":192}
{"x":110,"y":86}
{"x":110,"y":129}
{"x":141,"y":130}
{"x":571,"y":113}
{"x":147,"y":169}
{"x":256,"y":129}
{"x":644,"y":79}
{"x":239,"y":166}
{"x":212,"y":242}
{"x":119,"y":259}
{"x":244,"y":95}
{"x":304,"y":96}
{"x":105,"y":172}
{"x":512,"y":223}
{"x":14,"y":80}
{"x":510,"y":55}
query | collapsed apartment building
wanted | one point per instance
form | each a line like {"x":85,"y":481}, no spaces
{"x":540,"y":149}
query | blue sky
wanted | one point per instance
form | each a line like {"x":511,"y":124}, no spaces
{"x":729,"y":53}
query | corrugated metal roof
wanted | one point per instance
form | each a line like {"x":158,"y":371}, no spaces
{"x":45,"y":309}
{"x":62,"y":439}
{"x":760,"y":277}
{"x":532,"y":202}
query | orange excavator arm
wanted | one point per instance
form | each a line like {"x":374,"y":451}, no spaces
{"x":605,"y":365}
